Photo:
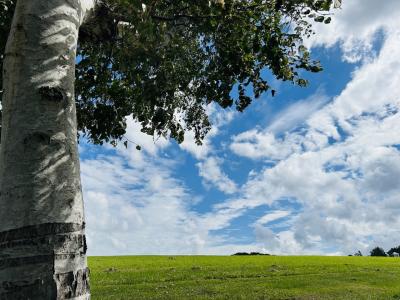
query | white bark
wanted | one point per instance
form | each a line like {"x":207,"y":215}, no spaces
{"x":42,"y":241}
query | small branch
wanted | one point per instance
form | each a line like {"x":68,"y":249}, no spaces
{"x":183,"y":16}
{"x":138,"y":147}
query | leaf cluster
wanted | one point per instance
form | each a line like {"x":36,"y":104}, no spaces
{"x":163,"y":61}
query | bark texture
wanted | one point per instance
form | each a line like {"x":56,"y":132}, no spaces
{"x":42,"y":240}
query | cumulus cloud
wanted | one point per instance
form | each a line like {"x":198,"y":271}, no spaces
{"x":269,"y":143}
{"x":355,"y":27}
{"x":327,"y":173}
{"x":136,"y":210}
{"x":135,"y":204}
{"x":256,"y":144}
{"x":342,"y":167}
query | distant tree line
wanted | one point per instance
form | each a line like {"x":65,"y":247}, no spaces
{"x":250,"y":253}
{"x":379,"y":251}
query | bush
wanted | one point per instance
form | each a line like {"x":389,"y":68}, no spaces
{"x":378,"y":251}
{"x":394,"y":249}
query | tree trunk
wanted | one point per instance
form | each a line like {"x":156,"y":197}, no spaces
{"x":42,"y":240}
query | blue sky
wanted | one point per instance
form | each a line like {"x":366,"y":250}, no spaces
{"x":311,"y":171}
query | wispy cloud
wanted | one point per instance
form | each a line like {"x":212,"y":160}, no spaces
{"x":344,"y":181}
{"x":273,"y":216}
{"x":297,"y":113}
{"x":212,"y":174}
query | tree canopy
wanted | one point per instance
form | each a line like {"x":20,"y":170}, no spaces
{"x":393,"y":250}
{"x":163,"y":61}
{"x":378,"y":251}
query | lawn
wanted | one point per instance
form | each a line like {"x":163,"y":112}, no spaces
{"x":244,"y":277}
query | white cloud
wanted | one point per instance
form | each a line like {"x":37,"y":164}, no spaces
{"x":272,"y":216}
{"x":347,"y":186}
{"x":256,"y":144}
{"x":219,"y":118}
{"x":135,"y":204}
{"x":149,"y":144}
{"x":199,"y":152}
{"x":210,"y":171}
{"x":297,"y":113}
{"x":355,"y":27}
{"x":137,"y":210}
{"x":340,"y":169}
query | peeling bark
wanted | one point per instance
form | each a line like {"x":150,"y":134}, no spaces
{"x":42,"y":234}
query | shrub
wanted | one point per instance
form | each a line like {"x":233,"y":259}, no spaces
{"x":394,"y":249}
{"x":378,"y":251}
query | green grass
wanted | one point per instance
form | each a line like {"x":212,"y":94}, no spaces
{"x":244,"y":277}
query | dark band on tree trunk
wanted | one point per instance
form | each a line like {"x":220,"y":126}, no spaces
{"x":39,"y":230}
{"x":43,"y":242}
{"x":37,"y":259}
{"x":62,"y":286}
{"x":50,"y":244}
{"x":22,"y":261}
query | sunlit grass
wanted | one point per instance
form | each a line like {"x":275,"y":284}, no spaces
{"x":244,"y":277}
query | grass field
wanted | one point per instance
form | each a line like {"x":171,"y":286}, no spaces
{"x":244,"y":277}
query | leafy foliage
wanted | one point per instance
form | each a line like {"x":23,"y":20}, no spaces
{"x":163,"y":61}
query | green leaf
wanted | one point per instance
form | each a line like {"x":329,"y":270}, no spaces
{"x":319,"y":19}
